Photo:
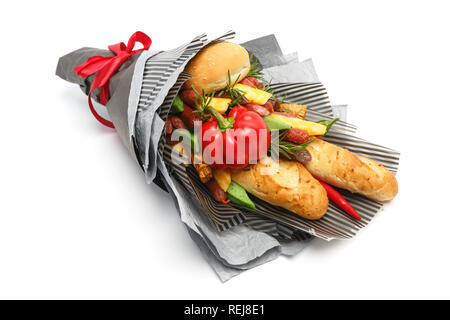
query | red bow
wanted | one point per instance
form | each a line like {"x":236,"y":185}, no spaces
{"x":106,"y":66}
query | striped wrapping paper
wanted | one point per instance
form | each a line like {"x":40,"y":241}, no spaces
{"x":273,"y":220}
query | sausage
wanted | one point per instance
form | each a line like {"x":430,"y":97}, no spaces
{"x":171,"y":123}
{"x":248,"y":82}
{"x":297,"y":136}
{"x":262,"y":111}
{"x":224,"y":95}
{"x":176,"y":122}
{"x":302,"y":156}
{"x":252,"y":82}
{"x":269,"y":106}
{"x":218,"y":194}
{"x":255,"y":81}
{"x":286,"y":114}
{"x":169,"y":126}
{"x":189,"y":97}
{"x":169,"y":140}
{"x":189,"y":117}
{"x":277,"y":105}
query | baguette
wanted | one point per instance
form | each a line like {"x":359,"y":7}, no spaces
{"x":292,"y":187}
{"x":343,"y":169}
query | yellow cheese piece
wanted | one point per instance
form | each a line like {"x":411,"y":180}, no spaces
{"x":220,"y":104}
{"x":313,"y":128}
{"x":253,"y":95}
{"x":223,"y":178}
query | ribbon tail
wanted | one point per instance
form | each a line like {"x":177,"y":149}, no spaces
{"x":99,"y":118}
{"x":104,"y":94}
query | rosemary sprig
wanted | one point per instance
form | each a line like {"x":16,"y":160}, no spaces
{"x":204,"y":110}
{"x":283,"y":99}
{"x":202,"y":103}
{"x":256,"y":70}
{"x":236,"y":95}
{"x":288,"y":150}
{"x":267,"y":85}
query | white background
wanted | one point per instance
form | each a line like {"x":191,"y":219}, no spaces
{"x":78,"y":221}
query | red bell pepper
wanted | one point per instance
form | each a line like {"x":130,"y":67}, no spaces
{"x":236,"y":111}
{"x":234,"y":141}
{"x":339,"y":200}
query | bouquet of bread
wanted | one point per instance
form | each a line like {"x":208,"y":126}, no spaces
{"x":204,"y":122}
{"x":235,"y":125}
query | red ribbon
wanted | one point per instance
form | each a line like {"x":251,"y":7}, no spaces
{"x":106,"y":66}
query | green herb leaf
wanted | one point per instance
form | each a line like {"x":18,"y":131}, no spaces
{"x":283,"y":99}
{"x":177,"y":105}
{"x":267,"y":86}
{"x":256,"y":70}
{"x":285,"y":154}
{"x":288,"y":149}
{"x":202,"y":103}
{"x":236,"y":95}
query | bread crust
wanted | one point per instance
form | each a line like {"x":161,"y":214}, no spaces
{"x":210,"y":66}
{"x":292,"y":187}
{"x":343,"y":169}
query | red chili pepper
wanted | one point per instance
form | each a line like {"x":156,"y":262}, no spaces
{"x":234,"y":141}
{"x":339,"y":200}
